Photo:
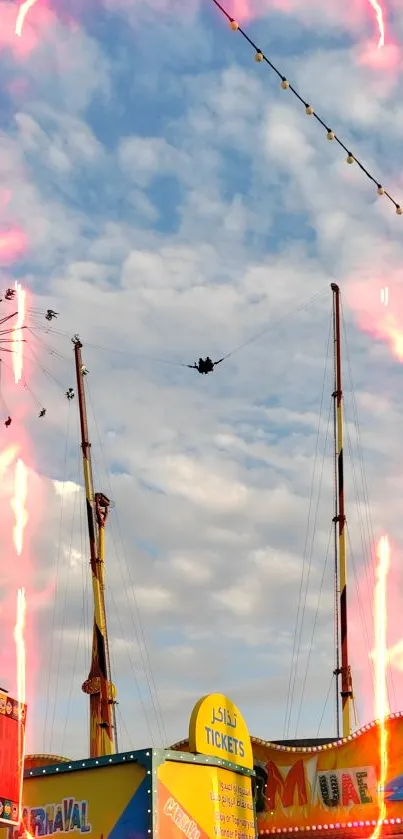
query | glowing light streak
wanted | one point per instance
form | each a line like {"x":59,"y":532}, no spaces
{"x":22,"y":13}
{"x":385,"y":296}
{"x":380,"y":20}
{"x":20,"y":644}
{"x":6,"y":458}
{"x":380,"y":661}
{"x":18,"y":351}
{"x":19,"y":638}
{"x":18,"y":505}
{"x":394,"y":335}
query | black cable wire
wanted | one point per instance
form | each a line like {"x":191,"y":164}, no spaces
{"x":295,"y":310}
{"x":325,"y":706}
{"x":170,"y":362}
{"x":24,"y":384}
{"x":8,"y":317}
{"x":311,"y":643}
{"x":48,"y":347}
{"x":299,"y":621}
{"x":44,"y":369}
{"x":351,"y":158}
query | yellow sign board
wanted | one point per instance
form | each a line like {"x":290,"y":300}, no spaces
{"x":217,"y":728}
{"x":204,"y":802}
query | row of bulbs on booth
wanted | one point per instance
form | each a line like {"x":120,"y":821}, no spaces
{"x":285,"y":84}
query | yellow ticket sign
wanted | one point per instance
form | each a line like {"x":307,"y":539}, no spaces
{"x":217,"y":728}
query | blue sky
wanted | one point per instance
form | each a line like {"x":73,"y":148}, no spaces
{"x":176,"y":203}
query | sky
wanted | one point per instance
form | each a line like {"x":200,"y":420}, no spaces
{"x":164,"y":195}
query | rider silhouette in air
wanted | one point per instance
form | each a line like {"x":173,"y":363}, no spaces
{"x":50,"y":314}
{"x":205,"y":365}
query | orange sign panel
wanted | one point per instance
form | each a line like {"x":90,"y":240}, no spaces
{"x":330,"y":786}
{"x":12,"y":733}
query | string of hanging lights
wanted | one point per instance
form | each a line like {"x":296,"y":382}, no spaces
{"x":309,"y":110}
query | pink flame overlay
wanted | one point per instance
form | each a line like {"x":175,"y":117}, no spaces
{"x":12,"y":245}
{"x":15,"y":576}
{"x":380,"y":655}
{"x":243,"y":10}
{"x":377,"y":652}
{"x":352,"y":15}
{"x":382,"y":322}
{"x":375,"y":295}
{"x":24,"y":28}
{"x":380,"y":629}
{"x":21,"y":32}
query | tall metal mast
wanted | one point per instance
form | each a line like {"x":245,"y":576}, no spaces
{"x":343,"y":669}
{"x":99,"y":684}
